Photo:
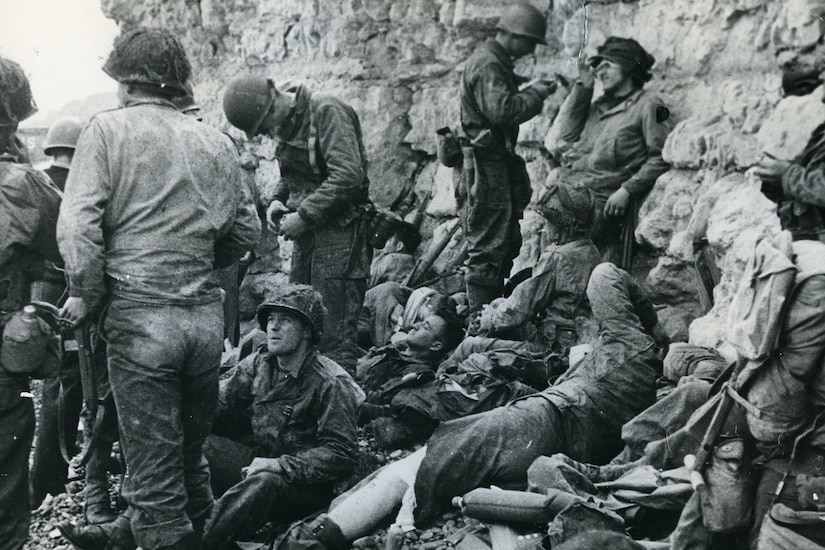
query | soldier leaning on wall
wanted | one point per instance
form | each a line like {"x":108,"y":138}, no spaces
{"x":614,"y":143}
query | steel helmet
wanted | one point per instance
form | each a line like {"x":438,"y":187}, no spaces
{"x":63,"y":133}
{"x":524,"y":20}
{"x":247,"y":101}
{"x":151,"y":57}
{"x":302,"y":300}
{"x":16,"y":101}
{"x":186,"y":103}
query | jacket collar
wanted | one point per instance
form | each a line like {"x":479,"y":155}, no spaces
{"x":623,"y":105}
{"x":159,"y":101}
{"x":296,"y":120}
{"x":311,"y":356}
{"x":492,"y":45}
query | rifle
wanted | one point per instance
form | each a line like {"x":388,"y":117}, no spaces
{"x":427,"y":260}
{"x":88,"y":381}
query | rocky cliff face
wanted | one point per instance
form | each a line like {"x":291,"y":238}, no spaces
{"x":398,"y":62}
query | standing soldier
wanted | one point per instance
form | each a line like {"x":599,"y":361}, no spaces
{"x":49,"y":471}
{"x":492,"y":107}
{"x":60,"y":145}
{"x":29,"y":204}
{"x":322,"y":199}
{"x":155,"y":202}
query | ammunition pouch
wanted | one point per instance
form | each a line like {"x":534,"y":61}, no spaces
{"x":381,"y":226}
{"x":728,"y":496}
{"x":805,"y":221}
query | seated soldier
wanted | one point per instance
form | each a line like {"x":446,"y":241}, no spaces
{"x":396,"y":260}
{"x":554,"y":296}
{"x":390,"y":370}
{"x":581,"y":415}
{"x":297,"y":411}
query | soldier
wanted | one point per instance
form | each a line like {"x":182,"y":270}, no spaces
{"x":582,"y":414}
{"x":322,"y":198}
{"x":49,"y":471}
{"x":29,"y":205}
{"x":298,"y":436}
{"x":614,"y":144}
{"x":154,"y":203}
{"x":554,"y":295}
{"x":492,"y":107}
{"x":786,"y":394}
{"x":60,"y":145}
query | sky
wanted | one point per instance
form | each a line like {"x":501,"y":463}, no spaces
{"x":61,"y":45}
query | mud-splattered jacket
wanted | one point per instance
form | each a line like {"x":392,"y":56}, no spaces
{"x":306,"y":419}
{"x":154,"y":202}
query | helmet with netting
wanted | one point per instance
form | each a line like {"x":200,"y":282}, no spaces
{"x":302,"y":300}
{"x":16,"y":101}
{"x":569,"y":207}
{"x":150,"y":57}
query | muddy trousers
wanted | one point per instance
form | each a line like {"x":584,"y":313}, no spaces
{"x":163,"y":370}
{"x":16,"y":434}
{"x":49,"y":470}
{"x":493,"y":234}
{"x":255,"y":500}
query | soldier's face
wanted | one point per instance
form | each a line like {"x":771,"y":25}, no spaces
{"x":611,"y":76}
{"x":285,"y":333}
{"x":522,"y":45}
{"x":426,"y":334}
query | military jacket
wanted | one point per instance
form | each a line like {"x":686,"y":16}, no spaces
{"x":307,"y":419}
{"x":29,"y":204}
{"x":154,"y":202}
{"x":322,"y":160}
{"x":490,"y":97}
{"x":607,"y":147}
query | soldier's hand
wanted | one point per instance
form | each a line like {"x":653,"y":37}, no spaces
{"x":545,"y":88}
{"x":617,"y":203}
{"x":587,"y":75}
{"x":293,"y":226}
{"x":274,"y":213}
{"x":74,"y":310}
{"x":770,"y":168}
{"x":258,"y":465}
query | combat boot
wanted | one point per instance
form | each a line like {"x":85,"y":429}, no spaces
{"x":321,"y":534}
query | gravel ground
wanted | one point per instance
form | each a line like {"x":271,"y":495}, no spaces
{"x":43,"y":534}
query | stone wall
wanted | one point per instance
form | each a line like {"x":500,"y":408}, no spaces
{"x":398,"y":62}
